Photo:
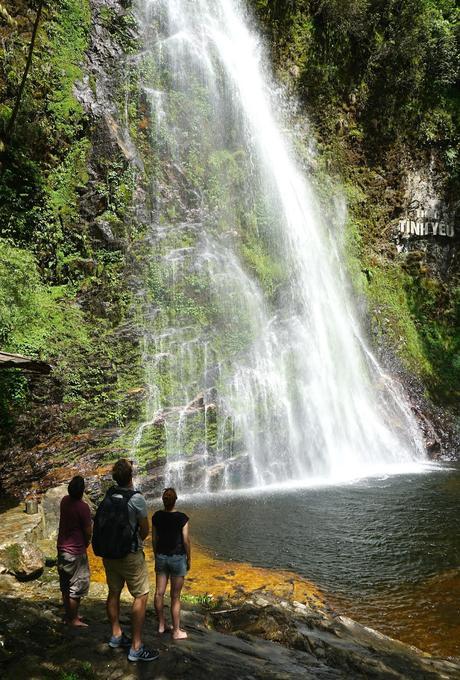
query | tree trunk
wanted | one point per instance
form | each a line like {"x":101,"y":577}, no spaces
{"x":17,"y":104}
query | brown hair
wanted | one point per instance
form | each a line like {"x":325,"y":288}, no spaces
{"x":169,"y":498}
{"x":122,"y":472}
{"x":76,"y":487}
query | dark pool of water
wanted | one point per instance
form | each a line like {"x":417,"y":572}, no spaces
{"x":385,"y":551}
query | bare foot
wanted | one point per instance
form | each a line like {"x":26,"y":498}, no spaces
{"x":77,"y":623}
{"x":179,"y":634}
{"x":162,"y":629}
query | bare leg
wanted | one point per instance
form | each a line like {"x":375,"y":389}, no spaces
{"x":71,"y":605}
{"x":176,"y":586}
{"x":138,"y":617}
{"x":74,"y":619}
{"x":160,"y":587}
{"x":65,"y":602}
{"x":113,"y":612}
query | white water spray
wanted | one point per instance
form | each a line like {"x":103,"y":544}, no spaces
{"x":257,"y":368}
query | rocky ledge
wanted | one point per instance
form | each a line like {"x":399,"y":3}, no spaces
{"x":256,"y":636}
{"x":253,"y":634}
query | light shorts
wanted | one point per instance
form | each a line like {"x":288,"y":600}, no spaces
{"x":131,"y":570}
{"x":73,"y":573}
{"x":171,"y":565}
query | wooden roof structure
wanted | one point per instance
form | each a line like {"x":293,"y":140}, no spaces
{"x":25,"y":363}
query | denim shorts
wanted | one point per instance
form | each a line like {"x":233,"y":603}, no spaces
{"x":171,"y":565}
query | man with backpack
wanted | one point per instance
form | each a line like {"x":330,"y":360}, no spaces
{"x":120,"y":526}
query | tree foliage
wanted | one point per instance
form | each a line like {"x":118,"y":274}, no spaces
{"x":6,"y":15}
{"x":396,"y":61}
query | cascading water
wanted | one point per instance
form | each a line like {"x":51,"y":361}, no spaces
{"x":257,"y":370}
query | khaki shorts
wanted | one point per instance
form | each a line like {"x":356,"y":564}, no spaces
{"x":131,"y":570}
{"x":73,"y":574}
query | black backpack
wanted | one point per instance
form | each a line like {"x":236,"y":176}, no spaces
{"x":112,"y":532}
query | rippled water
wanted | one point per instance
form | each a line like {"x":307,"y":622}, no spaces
{"x":385,"y":550}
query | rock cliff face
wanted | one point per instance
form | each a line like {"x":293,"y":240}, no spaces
{"x":74,"y":210}
{"x":78,"y":261}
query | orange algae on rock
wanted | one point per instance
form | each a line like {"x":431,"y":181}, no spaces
{"x":216,"y":577}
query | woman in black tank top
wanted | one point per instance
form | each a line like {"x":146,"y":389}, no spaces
{"x":171,"y":546}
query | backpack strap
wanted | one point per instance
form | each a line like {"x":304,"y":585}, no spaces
{"x":126,"y":493}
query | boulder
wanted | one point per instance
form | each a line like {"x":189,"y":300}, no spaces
{"x":23,"y":560}
{"x":49,"y":549}
{"x":50,"y":509}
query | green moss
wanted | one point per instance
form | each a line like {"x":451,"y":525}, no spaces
{"x":153,"y":444}
{"x":10,"y":556}
{"x":63,"y":297}
{"x":34,"y":316}
{"x":106,"y":15}
{"x":45,"y":159}
{"x":68,"y":39}
{"x":353,"y":255}
{"x":393,"y":316}
{"x":65,"y":179}
{"x":262,"y":262}
{"x":436,"y":307}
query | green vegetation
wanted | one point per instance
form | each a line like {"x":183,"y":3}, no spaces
{"x":11,"y":557}
{"x":205,"y":600}
{"x":380,"y":82}
{"x":436,"y":309}
{"x":396,"y":64}
{"x":81,"y":670}
{"x":62,"y":292}
{"x":32,"y":314}
{"x":42,"y":164}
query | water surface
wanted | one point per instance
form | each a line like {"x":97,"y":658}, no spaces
{"x":385,"y":550}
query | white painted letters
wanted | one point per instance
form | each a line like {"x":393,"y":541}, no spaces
{"x":422,"y":222}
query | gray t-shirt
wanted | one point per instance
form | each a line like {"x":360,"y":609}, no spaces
{"x":137,"y":509}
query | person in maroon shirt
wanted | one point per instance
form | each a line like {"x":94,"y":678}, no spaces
{"x":171,"y":546}
{"x":74,"y":537}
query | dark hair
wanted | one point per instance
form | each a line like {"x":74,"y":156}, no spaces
{"x":122,"y":472}
{"x":76,"y":487}
{"x":169,"y":498}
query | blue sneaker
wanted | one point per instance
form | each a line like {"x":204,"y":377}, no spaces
{"x":120,"y":641}
{"x":143,"y":654}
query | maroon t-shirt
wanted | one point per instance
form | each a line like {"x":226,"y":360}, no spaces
{"x":75,"y":517}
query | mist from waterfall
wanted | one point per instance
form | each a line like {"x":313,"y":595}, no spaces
{"x":256,"y":364}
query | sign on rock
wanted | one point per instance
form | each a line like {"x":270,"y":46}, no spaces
{"x":421,"y":221}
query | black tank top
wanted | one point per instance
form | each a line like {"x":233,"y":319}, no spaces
{"x":168,"y":527}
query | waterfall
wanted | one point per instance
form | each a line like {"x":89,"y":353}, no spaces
{"x":258,"y":371}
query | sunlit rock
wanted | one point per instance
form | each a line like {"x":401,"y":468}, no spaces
{"x":23,"y":560}
{"x":50,"y":509}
